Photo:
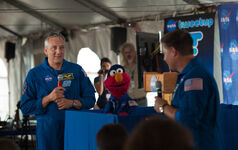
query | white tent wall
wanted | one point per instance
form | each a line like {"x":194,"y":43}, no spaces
{"x":217,"y":59}
{"x":18,"y":68}
{"x":2,"y":51}
{"x":98,"y":40}
{"x":15,"y":81}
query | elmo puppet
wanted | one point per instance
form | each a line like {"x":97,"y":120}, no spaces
{"x":117,"y":83}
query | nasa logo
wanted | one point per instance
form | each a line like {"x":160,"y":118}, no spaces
{"x":48,"y":78}
{"x":225,"y":19}
{"x":171,"y":25}
{"x":227,"y":79}
{"x":233,"y":50}
{"x":196,"y":36}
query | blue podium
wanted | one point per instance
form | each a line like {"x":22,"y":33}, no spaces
{"x":81,"y":127}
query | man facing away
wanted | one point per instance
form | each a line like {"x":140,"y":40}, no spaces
{"x":195,"y":100}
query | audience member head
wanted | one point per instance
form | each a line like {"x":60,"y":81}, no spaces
{"x":8,"y":144}
{"x":105,"y":63}
{"x":111,"y":137}
{"x":128,"y":53}
{"x":157,"y":133}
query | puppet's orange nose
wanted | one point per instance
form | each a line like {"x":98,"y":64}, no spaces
{"x":118,"y":77}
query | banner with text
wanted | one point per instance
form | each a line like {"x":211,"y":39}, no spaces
{"x":201,"y":29}
{"x":228,"y":27}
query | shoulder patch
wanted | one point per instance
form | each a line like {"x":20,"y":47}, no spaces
{"x":24,"y":88}
{"x":68,"y":76}
{"x":85,"y":74}
{"x":132,"y":103}
{"x":193,"y":84}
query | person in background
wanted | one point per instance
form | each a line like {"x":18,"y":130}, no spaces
{"x":195,"y":101}
{"x":128,"y":52}
{"x":48,"y":98}
{"x":158,"y":133}
{"x":111,"y":137}
{"x":103,"y":94}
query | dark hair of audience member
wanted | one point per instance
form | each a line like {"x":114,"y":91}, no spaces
{"x":111,"y":137}
{"x":105,"y":59}
{"x":158,"y":133}
{"x":8,"y":144}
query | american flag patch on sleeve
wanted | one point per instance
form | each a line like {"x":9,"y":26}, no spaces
{"x":193,"y":84}
{"x":132,"y":103}
{"x":85,"y":74}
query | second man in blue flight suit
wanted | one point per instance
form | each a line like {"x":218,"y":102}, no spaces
{"x":195,"y":102}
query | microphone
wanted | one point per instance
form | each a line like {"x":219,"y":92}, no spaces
{"x":60,"y":80}
{"x":158,"y":89}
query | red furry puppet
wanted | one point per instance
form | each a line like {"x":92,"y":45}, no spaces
{"x":117,"y":83}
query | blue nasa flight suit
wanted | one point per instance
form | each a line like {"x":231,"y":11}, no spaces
{"x":198,"y":109}
{"x":39,"y":83}
{"x":124,"y":104}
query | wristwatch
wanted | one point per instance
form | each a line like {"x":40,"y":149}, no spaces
{"x":161,"y":108}
{"x":75,"y":104}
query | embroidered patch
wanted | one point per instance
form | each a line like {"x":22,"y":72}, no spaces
{"x":66,"y":83}
{"x":193,"y":84}
{"x":132,"y":103}
{"x":24,"y":88}
{"x":108,"y":95}
{"x":68,"y":76}
{"x":48,"y":78}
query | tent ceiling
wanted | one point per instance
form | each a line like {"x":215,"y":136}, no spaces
{"x":24,"y":17}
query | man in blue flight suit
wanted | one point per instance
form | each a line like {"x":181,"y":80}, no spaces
{"x":195,"y":101}
{"x":47,"y":100}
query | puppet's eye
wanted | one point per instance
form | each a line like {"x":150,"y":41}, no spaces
{"x":119,"y":70}
{"x":112,"y":72}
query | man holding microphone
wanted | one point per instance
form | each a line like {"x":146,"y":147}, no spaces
{"x":47,"y":98}
{"x":195,"y":101}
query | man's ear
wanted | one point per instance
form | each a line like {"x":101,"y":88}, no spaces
{"x":45,"y":51}
{"x":173,"y":51}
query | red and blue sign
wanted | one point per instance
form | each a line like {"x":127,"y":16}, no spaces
{"x":201,"y":29}
{"x":228,"y":28}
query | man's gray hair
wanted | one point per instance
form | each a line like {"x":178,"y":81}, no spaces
{"x":129,"y":45}
{"x":51,"y":35}
{"x":122,"y":49}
